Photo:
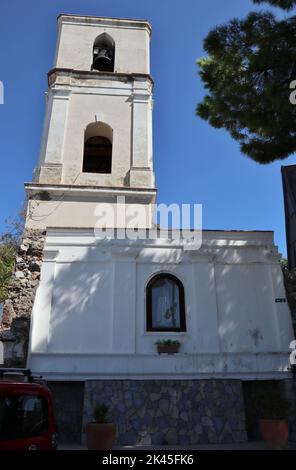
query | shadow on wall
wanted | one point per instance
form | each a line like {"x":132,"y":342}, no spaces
{"x":82,"y":308}
{"x":82,"y":302}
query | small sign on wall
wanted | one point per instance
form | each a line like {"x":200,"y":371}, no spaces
{"x":280,"y":300}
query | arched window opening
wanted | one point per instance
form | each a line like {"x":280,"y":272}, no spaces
{"x":103,"y":53}
{"x":165,"y":304}
{"x":97,"y":157}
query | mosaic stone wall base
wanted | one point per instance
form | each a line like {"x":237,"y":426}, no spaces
{"x":170,"y":412}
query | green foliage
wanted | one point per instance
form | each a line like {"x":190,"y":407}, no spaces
{"x":284,"y":263}
{"x":248,"y":71}
{"x":7,"y":257}
{"x":100,"y":413}
{"x":9,"y":242}
{"x":271,"y":405}
{"x":284,"y":4}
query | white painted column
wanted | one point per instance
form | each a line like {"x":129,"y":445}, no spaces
{"x":141,"y":138}
{"x":1,"y":353}
{"x":141,"y":172}
{"x":124,"y":305}
{"x":51,"y":157}
{"x":46,"y":123}
{"x":57,"y":126}
{"x":206,"y":308}
{"x":40,"y":322}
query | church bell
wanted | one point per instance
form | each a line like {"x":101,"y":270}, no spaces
{"x":103,"y":60}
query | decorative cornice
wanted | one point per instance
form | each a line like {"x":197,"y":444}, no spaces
{"x":127,"y":23}
{"x":125,"y":255}
{"x":94,"y":74}
{"x":61,"y":94}
{"x":213,"y":254}
{"x":50,"y":255}
{"x":68,"y":187}
{"x":145,"y":195}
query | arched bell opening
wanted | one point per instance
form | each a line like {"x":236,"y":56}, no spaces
{"x":103,"y":53}
{"x":97,"y":157}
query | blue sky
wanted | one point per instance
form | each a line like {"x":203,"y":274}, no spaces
{"x":194,"y":163}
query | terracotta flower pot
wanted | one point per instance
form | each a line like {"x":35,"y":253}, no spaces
{"x":168,"y":348}
{"x":275,"y":432}
{"x":100,"y":436}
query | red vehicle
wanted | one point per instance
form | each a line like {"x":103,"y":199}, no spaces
{"x":26,"y":412}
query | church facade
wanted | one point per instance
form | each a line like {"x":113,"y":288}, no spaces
{"x":104,"y":302}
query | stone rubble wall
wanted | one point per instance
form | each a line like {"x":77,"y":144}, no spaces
{"x":174,"y":412}
{"x":17,"y":308}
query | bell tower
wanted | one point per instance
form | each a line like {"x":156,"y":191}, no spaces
{"x":97,"y":137}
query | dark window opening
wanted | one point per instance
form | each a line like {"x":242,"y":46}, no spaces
{"x":250,"y":390}
{"x":165,"y":304}
{"x":97,"y":155}
{"x":22,"y":416}
{"x":103,"y":53}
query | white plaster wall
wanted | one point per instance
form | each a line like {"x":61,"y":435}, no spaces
{"x":89,"y":316}
{"x":76,"y":99}
{"x":77,"y":36}
{"x":246,"y":308}
{"x":62,"y":212}
{"x":82,"y":308}
{"x":112,"y":110}
{"x":125,"y":313}
{"x":73,"y":103}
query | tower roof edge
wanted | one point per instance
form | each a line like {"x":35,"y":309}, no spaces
{"x":89,"y":19}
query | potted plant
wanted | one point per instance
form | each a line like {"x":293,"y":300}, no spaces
{"x":273,"y":411}
{"x":168,"y":346}
{"x":100,"y":434}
